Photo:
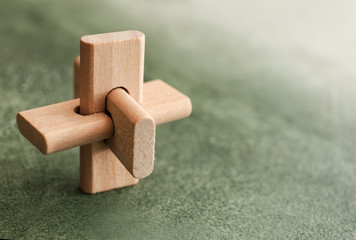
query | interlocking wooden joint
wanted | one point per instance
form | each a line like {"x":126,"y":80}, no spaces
{"x":113,"y":118}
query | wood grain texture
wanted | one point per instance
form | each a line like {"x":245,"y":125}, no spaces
{"x":100,"y":170}
{"x":107,"y":61}
{"x":133,"y":141}
{"x":165,"y":103}
{"x":58,"y":127}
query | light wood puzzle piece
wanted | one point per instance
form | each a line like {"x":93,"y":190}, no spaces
{"x":134,"y":134}
{"x":115,"y":128}
{"x":107,"y":61}
{"x":59,"y":126}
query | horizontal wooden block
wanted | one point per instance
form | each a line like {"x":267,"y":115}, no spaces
{"x":133,"y":142}
{"x":58,"y":127}
{"x":108,"y":61}
{"x":165,"y":103}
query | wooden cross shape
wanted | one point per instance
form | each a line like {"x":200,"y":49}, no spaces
{"x":114,"y":120}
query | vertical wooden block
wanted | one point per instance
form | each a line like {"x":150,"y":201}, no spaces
{"x":100,"y":170}
{"x":107,"y":61}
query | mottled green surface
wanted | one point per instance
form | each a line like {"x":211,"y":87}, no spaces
{"x":268,"y":153}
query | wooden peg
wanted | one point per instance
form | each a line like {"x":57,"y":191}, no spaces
{"x":133,"y":141}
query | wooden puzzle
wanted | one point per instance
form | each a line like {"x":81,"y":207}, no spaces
{"x":113,"y":118}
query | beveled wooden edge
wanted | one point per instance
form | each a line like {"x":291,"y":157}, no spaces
{"x":133,"y":142}
{"x":31,"y":133}
{"x":103,"y":38}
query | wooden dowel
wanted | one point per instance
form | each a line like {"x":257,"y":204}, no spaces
{"x":133,"y":142}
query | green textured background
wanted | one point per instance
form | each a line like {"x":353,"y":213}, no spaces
{"x":268,"y":153}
